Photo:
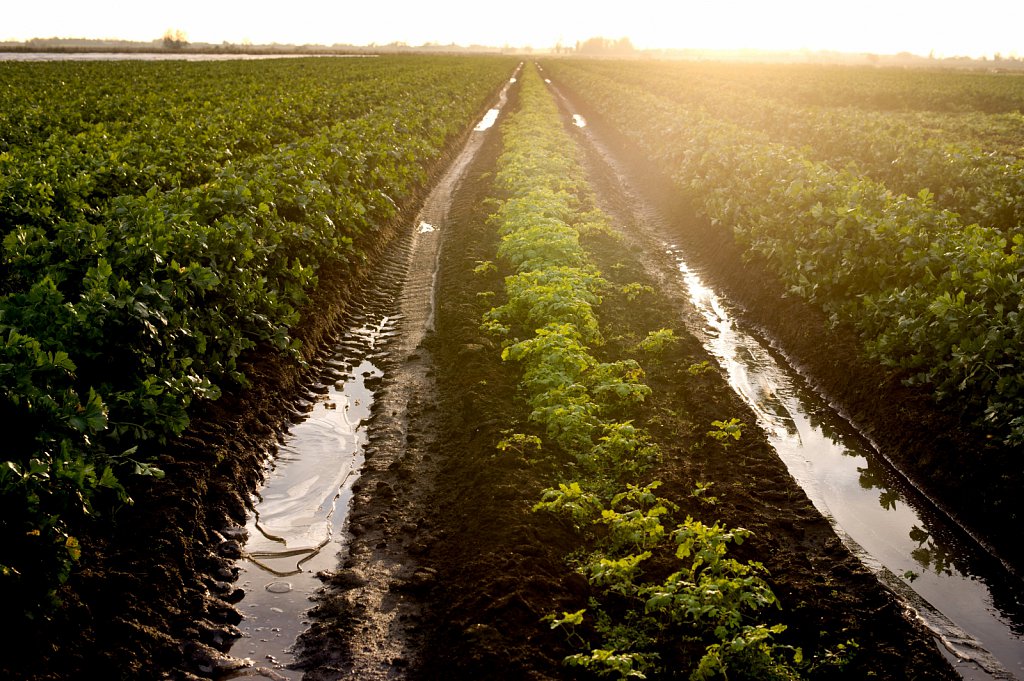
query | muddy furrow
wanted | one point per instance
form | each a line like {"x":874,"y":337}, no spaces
{"x":944,"y":578}
{"x":366,"y":624}
{"x":294,"y":533}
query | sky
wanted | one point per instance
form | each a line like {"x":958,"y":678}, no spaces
{"x":946,"y":27}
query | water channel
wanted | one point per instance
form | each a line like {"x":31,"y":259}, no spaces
{"x":969,"y":600}
{"x":297,"y":527}
{"x":960,"y":592}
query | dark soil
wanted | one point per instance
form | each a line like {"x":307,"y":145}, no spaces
{"x":445,"y":518}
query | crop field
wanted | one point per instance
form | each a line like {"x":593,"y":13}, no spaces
{"x":160,"y":221}
{"x":554,"y":474}
{"x":906,"y":226}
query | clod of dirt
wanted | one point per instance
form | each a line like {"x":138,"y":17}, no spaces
{"x":211,"y":661}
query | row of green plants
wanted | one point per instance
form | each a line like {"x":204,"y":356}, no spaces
{"x":905,"y":152}
{"x":1000,"y":133}
{"x":75,"y":136}
{"x":880,"y":89}
{"x":932,"y":296}
{"x":122,"y":308}
{"x":705,"y":617}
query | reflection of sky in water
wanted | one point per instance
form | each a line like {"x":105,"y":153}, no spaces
{"x":489,"y":119}
{"x":296,"y":528}
{"x":295,"y":515}
{"x":856,"y":494}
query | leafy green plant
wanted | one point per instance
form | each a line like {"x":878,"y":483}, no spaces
{"x":657,"y":341}
{"x":726,"y":430}
{"x":634,"y":290}
{"x":700,"y":368}
{"x":570,"y":499}
{"x":484,"y":267}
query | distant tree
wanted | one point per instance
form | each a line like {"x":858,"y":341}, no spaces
{"x":623,"y":46}
{"x":175,"y":39}
{"x":594,"y":45}
{"x":600,"y":45}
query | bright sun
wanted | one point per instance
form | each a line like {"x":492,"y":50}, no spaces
{"x":882,"y":26}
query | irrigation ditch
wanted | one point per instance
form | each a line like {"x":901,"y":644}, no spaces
{"x":946,"y":576}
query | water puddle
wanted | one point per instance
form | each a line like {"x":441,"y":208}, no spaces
{"x":579,"y":121}
{"x":295,"y":530}
{"x":961,"y":593}
{"x":489,"y":119}
{"x":426,"y":227}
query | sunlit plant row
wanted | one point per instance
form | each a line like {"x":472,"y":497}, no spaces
{"x":971,"y":166}
{"x":709,"y":611}
{"x":931,"y":295}
{"x":870,"y":88}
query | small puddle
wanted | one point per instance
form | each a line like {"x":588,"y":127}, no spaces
{"x":961,"y":593}
{"x":295,"y":530}
{"x":489,"y":119}
{"x":426,"y":227}
{"x":579,"y":121}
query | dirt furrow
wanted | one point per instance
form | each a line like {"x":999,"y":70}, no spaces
{"x":366,"y":624}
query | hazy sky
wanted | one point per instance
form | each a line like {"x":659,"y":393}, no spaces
{"x":961,"y":27}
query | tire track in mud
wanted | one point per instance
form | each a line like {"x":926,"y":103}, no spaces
{"x":295,"y":528}
{"x":366,"y":624}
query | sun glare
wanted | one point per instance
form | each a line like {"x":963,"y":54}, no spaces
{"x":881,"y":26}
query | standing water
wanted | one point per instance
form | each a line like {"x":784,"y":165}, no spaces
{"x":295,"y":530}
{"x":959,"y":591}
